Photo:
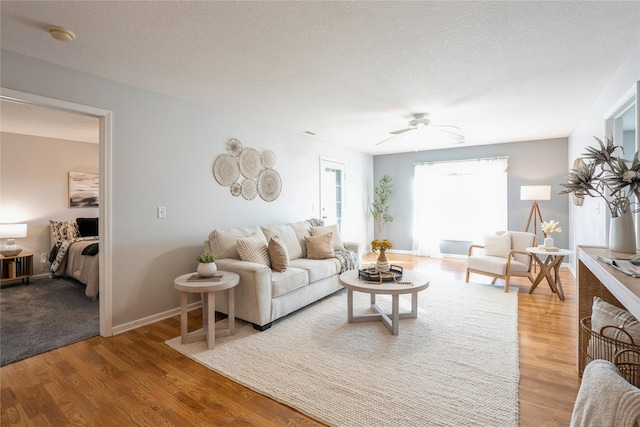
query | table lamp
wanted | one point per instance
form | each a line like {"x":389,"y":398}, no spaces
{"x":11,"y":232}
{"x":535,"y":193}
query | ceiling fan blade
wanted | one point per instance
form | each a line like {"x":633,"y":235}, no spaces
{"x":398,"y":132}
{"x":453,"y":130}
{"x":385,"y":140}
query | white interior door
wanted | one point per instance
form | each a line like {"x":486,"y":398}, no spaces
{"x":332,"y":191}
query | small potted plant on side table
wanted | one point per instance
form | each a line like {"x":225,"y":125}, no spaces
{"x":206,"y":264}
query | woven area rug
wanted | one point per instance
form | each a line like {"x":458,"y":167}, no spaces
{"x":456,"y":364}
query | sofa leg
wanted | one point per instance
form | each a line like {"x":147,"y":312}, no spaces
{"x":263,"y":327}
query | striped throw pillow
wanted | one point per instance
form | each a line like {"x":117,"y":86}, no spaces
{"x":253,"y":248}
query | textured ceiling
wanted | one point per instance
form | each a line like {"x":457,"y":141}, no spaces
{"x":350,"y":72}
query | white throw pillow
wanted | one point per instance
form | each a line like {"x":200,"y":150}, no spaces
{"x":253,"y":248}
{"x":336,"y":240}
{"x":497,"y":245}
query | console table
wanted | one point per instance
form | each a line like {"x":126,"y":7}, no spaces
{"x":595,"y":278}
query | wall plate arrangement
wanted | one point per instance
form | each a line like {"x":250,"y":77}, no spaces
{"x":248,"y":172}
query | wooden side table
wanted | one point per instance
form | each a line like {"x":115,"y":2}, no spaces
{"x":208,"y":291}
{"x":549,"y":268}
{"x":18,"y":267}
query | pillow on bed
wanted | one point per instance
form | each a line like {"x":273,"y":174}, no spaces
{"x":87,"y":227}
{"x":63,"y":230}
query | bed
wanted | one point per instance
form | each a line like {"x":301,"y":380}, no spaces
{"x":74,"y":252}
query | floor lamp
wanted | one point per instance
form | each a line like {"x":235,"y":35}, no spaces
{"x":535,"y":193}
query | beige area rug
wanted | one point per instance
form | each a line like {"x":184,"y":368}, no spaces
{"x":455,"y":365}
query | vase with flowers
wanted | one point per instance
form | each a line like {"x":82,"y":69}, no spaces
{"x":382,"y":263}
{"x":609,"y":177}
{"x":548,"y":228}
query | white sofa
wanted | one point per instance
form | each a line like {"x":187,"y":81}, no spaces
{"x":264,"y":295}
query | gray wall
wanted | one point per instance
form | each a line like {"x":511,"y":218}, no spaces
{"x":34,"y":184}
{"x":162,"y":155}
{"x":530,"y":163}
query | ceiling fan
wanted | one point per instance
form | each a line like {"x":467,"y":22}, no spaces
{"x":420,"y":121}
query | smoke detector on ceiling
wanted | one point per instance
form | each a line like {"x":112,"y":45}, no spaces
{"x":61,"y":34}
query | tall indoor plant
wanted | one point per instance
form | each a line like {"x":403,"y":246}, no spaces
{"x":380,"y":206}
{"x":607,"y":176}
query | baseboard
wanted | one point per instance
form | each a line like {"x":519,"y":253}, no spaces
{"x":152,"y":319}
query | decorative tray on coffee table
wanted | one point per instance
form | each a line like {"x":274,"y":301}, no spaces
{"x":373,"y":275}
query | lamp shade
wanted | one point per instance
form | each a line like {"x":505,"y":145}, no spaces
{"x":12,"y":231}
{"x":535,"y":192}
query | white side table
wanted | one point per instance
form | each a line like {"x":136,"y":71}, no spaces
{"x":551,"y":264}
{"x":208,"y":291}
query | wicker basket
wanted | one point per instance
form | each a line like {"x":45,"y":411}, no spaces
{"x":625,"y":355}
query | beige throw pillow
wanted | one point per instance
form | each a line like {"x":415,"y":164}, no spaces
{"x":336,"y":241}
{"x":278,"y":254}
{"x":253,"y":248}
{"x":605,"y":314}
{"x":320,"y":247}
{"x":495,"y":245}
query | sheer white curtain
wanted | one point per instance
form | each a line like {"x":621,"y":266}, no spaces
{"x":459,"y":200}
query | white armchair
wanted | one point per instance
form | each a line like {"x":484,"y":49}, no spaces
{"x":502,"y":257}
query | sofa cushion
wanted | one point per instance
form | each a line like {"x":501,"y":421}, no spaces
{"x":317,"y":269}
{"x":287,"y":281}
{"x":223,"y":241}
{"x":494,"y":264}
{"x":497,"y":245}
{"x":288,"y":236}
{"x":278,"y":254}
{"x":253,"y":248}
{"x":320,"y":247}
{"x":336,"y":242}
{"x":302,"y":230}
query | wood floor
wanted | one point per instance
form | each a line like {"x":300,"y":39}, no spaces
{"x":135,"y":379}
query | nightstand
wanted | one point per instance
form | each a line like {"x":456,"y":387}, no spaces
{"x":19,"y":267}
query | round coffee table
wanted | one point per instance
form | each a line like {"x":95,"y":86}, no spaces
{"x":208,"y":291}
{"x":418,"y":282}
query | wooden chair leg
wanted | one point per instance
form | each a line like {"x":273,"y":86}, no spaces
{"x":506,"y":284}
{"x":467,"y":278}
{"x":493,"y":282}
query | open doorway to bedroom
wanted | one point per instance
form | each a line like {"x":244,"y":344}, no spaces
{"x":75,"y":119}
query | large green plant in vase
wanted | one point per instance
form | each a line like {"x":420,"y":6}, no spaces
{"x":605,"y":175}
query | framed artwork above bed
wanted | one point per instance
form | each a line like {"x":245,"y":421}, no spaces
{"x":83,"y":190}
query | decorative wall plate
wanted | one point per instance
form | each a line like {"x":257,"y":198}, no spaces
{"x":268,"y":158}
{"x":226,"y":170}
{"x":269,"y":185}
{"x":234,"y":147}
{"x":236,"y":189}
{"x":250,"y":163}
{"x":249,"y":189}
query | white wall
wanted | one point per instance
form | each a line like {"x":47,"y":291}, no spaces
{"x":162,"y":155}
{"x":588,"y":221}
{"x":34,"y":184}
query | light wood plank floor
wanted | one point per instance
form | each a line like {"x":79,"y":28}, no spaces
{"x":135,"y":379}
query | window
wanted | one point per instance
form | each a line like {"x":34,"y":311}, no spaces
{"x":459,"y":201}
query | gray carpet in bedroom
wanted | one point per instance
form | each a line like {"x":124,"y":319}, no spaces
{"x":44,"y":315}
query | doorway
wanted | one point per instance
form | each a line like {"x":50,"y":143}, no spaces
{"x":332,"y":191}
{"x":105,"y":119}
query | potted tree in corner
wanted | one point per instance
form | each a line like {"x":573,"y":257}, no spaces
{"x":380,"y":205}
